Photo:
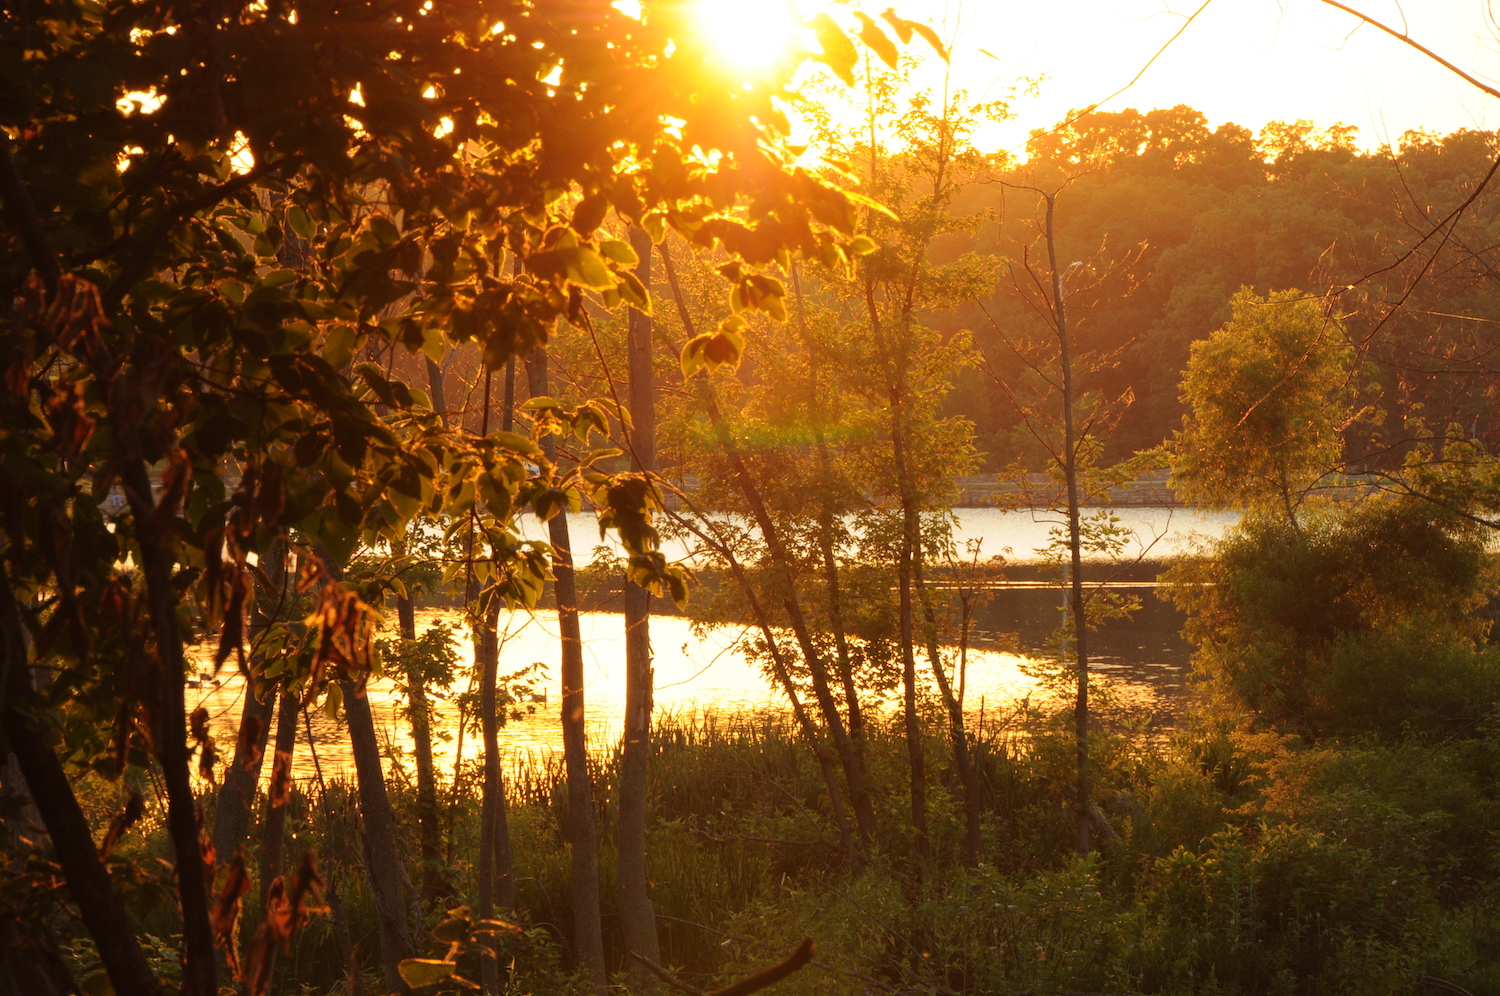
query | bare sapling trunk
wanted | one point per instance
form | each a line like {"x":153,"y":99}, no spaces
{"x":273,"y":826}
{"x":826,"y":519}
{"x":237,"y":794}
{"x":497,"y":883}
{"x":963,"y":761}
{"x":637,"y":915}
{"x":428,"y":815}
{"x":385,"y":872}
{"x":910,"y":539}
{"x":1076,"y":601}
{"x":782,"y":673}
{"x":849,"y":757}
{"x":152,"y":535}
{"x":496,"y":874}
{"x":588,"y":932}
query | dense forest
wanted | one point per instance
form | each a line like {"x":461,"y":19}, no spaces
{"x":343,"y":336}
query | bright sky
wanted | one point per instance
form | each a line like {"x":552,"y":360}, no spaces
{"x":1246,"y":61}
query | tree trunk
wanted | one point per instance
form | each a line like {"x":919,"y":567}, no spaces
{"x":963,"y":762}
{"x":273,"y":827}
{"x":237,"y":795}
{"x":151,"y":529}
{"x":1075,"y":546}
{"x":588,"y":932}
{"x":637,"y":915}
{"x":826,"y":517}
{"x":496,"y":875}
{"x":910,"y":537}
{"x":853,"y":764}
{"x":88,"y":880}
{"x":385,"y":873}
{"x":428,"y":815}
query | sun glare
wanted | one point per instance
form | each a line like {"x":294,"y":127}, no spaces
{"x":749,"y":35}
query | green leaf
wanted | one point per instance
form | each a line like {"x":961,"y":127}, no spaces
{"x":338,"y":348}
{"x":334,"y":699}
{"x":861,"y":245}
{"x":418,"y":972}
{"x":589,"y":214}
{"x":838,"y":51}
{"x":516,"y":442}
{"x":301,"y":222}
{"x":620,"y":252}
{"x":712,"y":350}
{"x":635,"y":292}
{"x":875,"y":39}
{"x":932,"y":39}
{"x":586,"y":269}
{"x":433,"y":345}
{"x":655,"y":225}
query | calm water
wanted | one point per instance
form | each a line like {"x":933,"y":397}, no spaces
{"x":707,"y":673}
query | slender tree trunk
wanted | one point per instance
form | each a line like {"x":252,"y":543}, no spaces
{"x":496,"y":877}
{"x":910,"y":538}
{"x":963,"y":761}
{"x":273,"y":826}
{"x":854,"y":772}
{"x":386,"y":872}
{"x":588,"y":932}
{"x":826,"y":519}
{"x":89,"y":882}
{"x":799,"y":711}
{"x":237,"y":795}
{"x":637,"y":915}
{"x":198,"y":968}
{"x":1075,"y":546}
{"x":428,"y":815}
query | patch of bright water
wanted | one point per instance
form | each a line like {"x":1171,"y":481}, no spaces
{"x":693,"y":676}
{"x":709,"y":674}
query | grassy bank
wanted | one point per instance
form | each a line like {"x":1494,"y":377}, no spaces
{"x":1231,"y":863}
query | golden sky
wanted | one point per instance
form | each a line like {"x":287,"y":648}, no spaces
{"x":1246,"y":61}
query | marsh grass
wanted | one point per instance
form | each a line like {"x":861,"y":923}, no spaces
{"x":1239,"y":863}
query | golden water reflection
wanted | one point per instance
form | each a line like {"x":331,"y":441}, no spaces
{"x":695,"y":675}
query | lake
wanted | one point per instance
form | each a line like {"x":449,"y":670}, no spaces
{"x":698,"y":674}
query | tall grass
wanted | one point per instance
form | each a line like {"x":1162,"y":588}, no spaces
{"x":1234,"y":863}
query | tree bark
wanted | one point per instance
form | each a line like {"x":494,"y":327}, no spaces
{"x":92,"y":888}
{"x":826,"y":518}
{"x":910,"y":538}
{"x":637,"y":915}
{"x":237,"y":795}
{"x":1075,"y":544}
{"x":958,"y":735}
{"x":385,"y":872}
{"x":152,"y":536}
{"x":588,"y":932}
{"x":853,"y":764}
{"x":273,"y":820}
{"x":496,"y":874}
{"x":428,"y":816}
{"x":273,"y":825}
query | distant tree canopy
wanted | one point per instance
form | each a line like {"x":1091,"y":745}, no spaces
{"x":1220,"y":209}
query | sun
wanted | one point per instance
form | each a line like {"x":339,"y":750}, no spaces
{"x":749,"y":34}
